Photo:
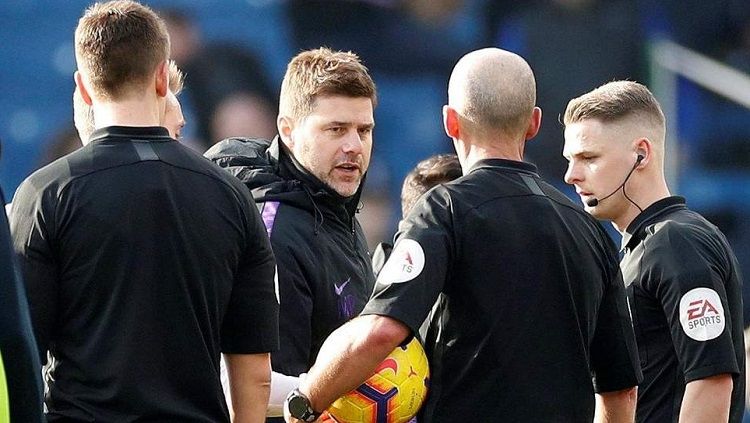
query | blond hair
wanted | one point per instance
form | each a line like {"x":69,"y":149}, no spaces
{"x":176,"y":78}
{"x":615,"y":101}
{"x":323,"y":72}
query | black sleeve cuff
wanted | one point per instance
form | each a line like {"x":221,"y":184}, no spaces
{"x":617,"y":379}
{"x":712,"y":370}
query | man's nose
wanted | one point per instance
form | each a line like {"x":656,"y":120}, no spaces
{"x":352,"y":142}
{"x":572,"y":174}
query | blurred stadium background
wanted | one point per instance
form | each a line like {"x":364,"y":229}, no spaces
{"x":694,"y":54}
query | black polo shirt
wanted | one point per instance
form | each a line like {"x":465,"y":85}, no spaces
{"x":142,"y":261}
{"x":685,"y":290}
{"x":532,"y":319}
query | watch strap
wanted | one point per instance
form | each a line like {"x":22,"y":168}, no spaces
{"x":305,"y":413}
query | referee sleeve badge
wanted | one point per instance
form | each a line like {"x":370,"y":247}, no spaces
{"x":405,"y":263}
{"x":702,"y":314}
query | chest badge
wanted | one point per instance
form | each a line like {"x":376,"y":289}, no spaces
{"x":347,"y":303}
{"x":339,"y":288}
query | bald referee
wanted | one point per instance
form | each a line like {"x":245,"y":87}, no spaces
{"x":533,"y":320}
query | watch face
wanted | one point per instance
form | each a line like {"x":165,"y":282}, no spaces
{"x":298,"y":407}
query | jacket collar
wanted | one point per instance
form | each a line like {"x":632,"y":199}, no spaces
{"x":290,"y":168}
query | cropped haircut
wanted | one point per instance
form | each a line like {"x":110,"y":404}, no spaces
{"x":615,"y":101}
{"x":119,"y":44}
{"x":84,"y":114}
{"x":323,"y":72}
{"x":428,"y":173}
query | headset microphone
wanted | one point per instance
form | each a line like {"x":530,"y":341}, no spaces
{"x":593,"y":202}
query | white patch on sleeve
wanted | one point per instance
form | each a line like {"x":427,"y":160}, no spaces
{"x":702,"y":314}
{"x":405,"y":263}
{"x":276,"y":283}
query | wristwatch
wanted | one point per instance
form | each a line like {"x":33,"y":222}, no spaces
{"x":300,"y":408}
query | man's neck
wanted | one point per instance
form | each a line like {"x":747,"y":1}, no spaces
{"x":470,"y":153}
{"x":644,"y":193}
{"x":127,"y":113}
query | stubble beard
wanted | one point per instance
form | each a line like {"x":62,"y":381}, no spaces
{"x":344,"y":189}
{"x":325,"y":174}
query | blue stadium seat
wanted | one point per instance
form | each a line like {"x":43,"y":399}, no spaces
{"x":38,"y":62}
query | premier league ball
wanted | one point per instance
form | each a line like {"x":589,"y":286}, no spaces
{"x":393,"y":394}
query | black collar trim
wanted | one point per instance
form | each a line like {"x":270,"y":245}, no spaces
{"x":511,"y":165}
{"x":634,"y":232}
{"x":154,"y":133}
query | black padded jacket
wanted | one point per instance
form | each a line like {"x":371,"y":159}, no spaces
{"x":324,"y":271}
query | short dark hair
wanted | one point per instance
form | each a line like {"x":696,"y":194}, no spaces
{"x":432,"y":171}
{"x":119,"y":44}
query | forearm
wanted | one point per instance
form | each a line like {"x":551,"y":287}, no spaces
{"x":281,"y":386}
{"x":349,"y":356}
{"x":250,"y":383}
{"x":707,"y":399}
{"x":616,"y":407}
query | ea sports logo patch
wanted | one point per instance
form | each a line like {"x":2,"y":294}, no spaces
{"x":702,"y":314}
{"x":405,"y":263}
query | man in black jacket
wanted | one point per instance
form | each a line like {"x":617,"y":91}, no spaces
{"x":307,"y":184}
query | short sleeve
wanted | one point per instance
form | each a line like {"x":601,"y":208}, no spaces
{"x":251,"y":323}
{"x":417,"y":269}
{"x":614,"y":355}
{"x":687,"y":280}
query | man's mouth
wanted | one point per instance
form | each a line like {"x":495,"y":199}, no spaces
{"x":585,"y":195}
{"x":348,"y":167}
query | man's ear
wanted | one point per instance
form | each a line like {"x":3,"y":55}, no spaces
{"x":81,"y":86}
{"x":534,"y":123}
{"x":451,"y":122}
{"x":285,"y":126}
{"x":644,"y":149}
{"x":162,"y":79}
